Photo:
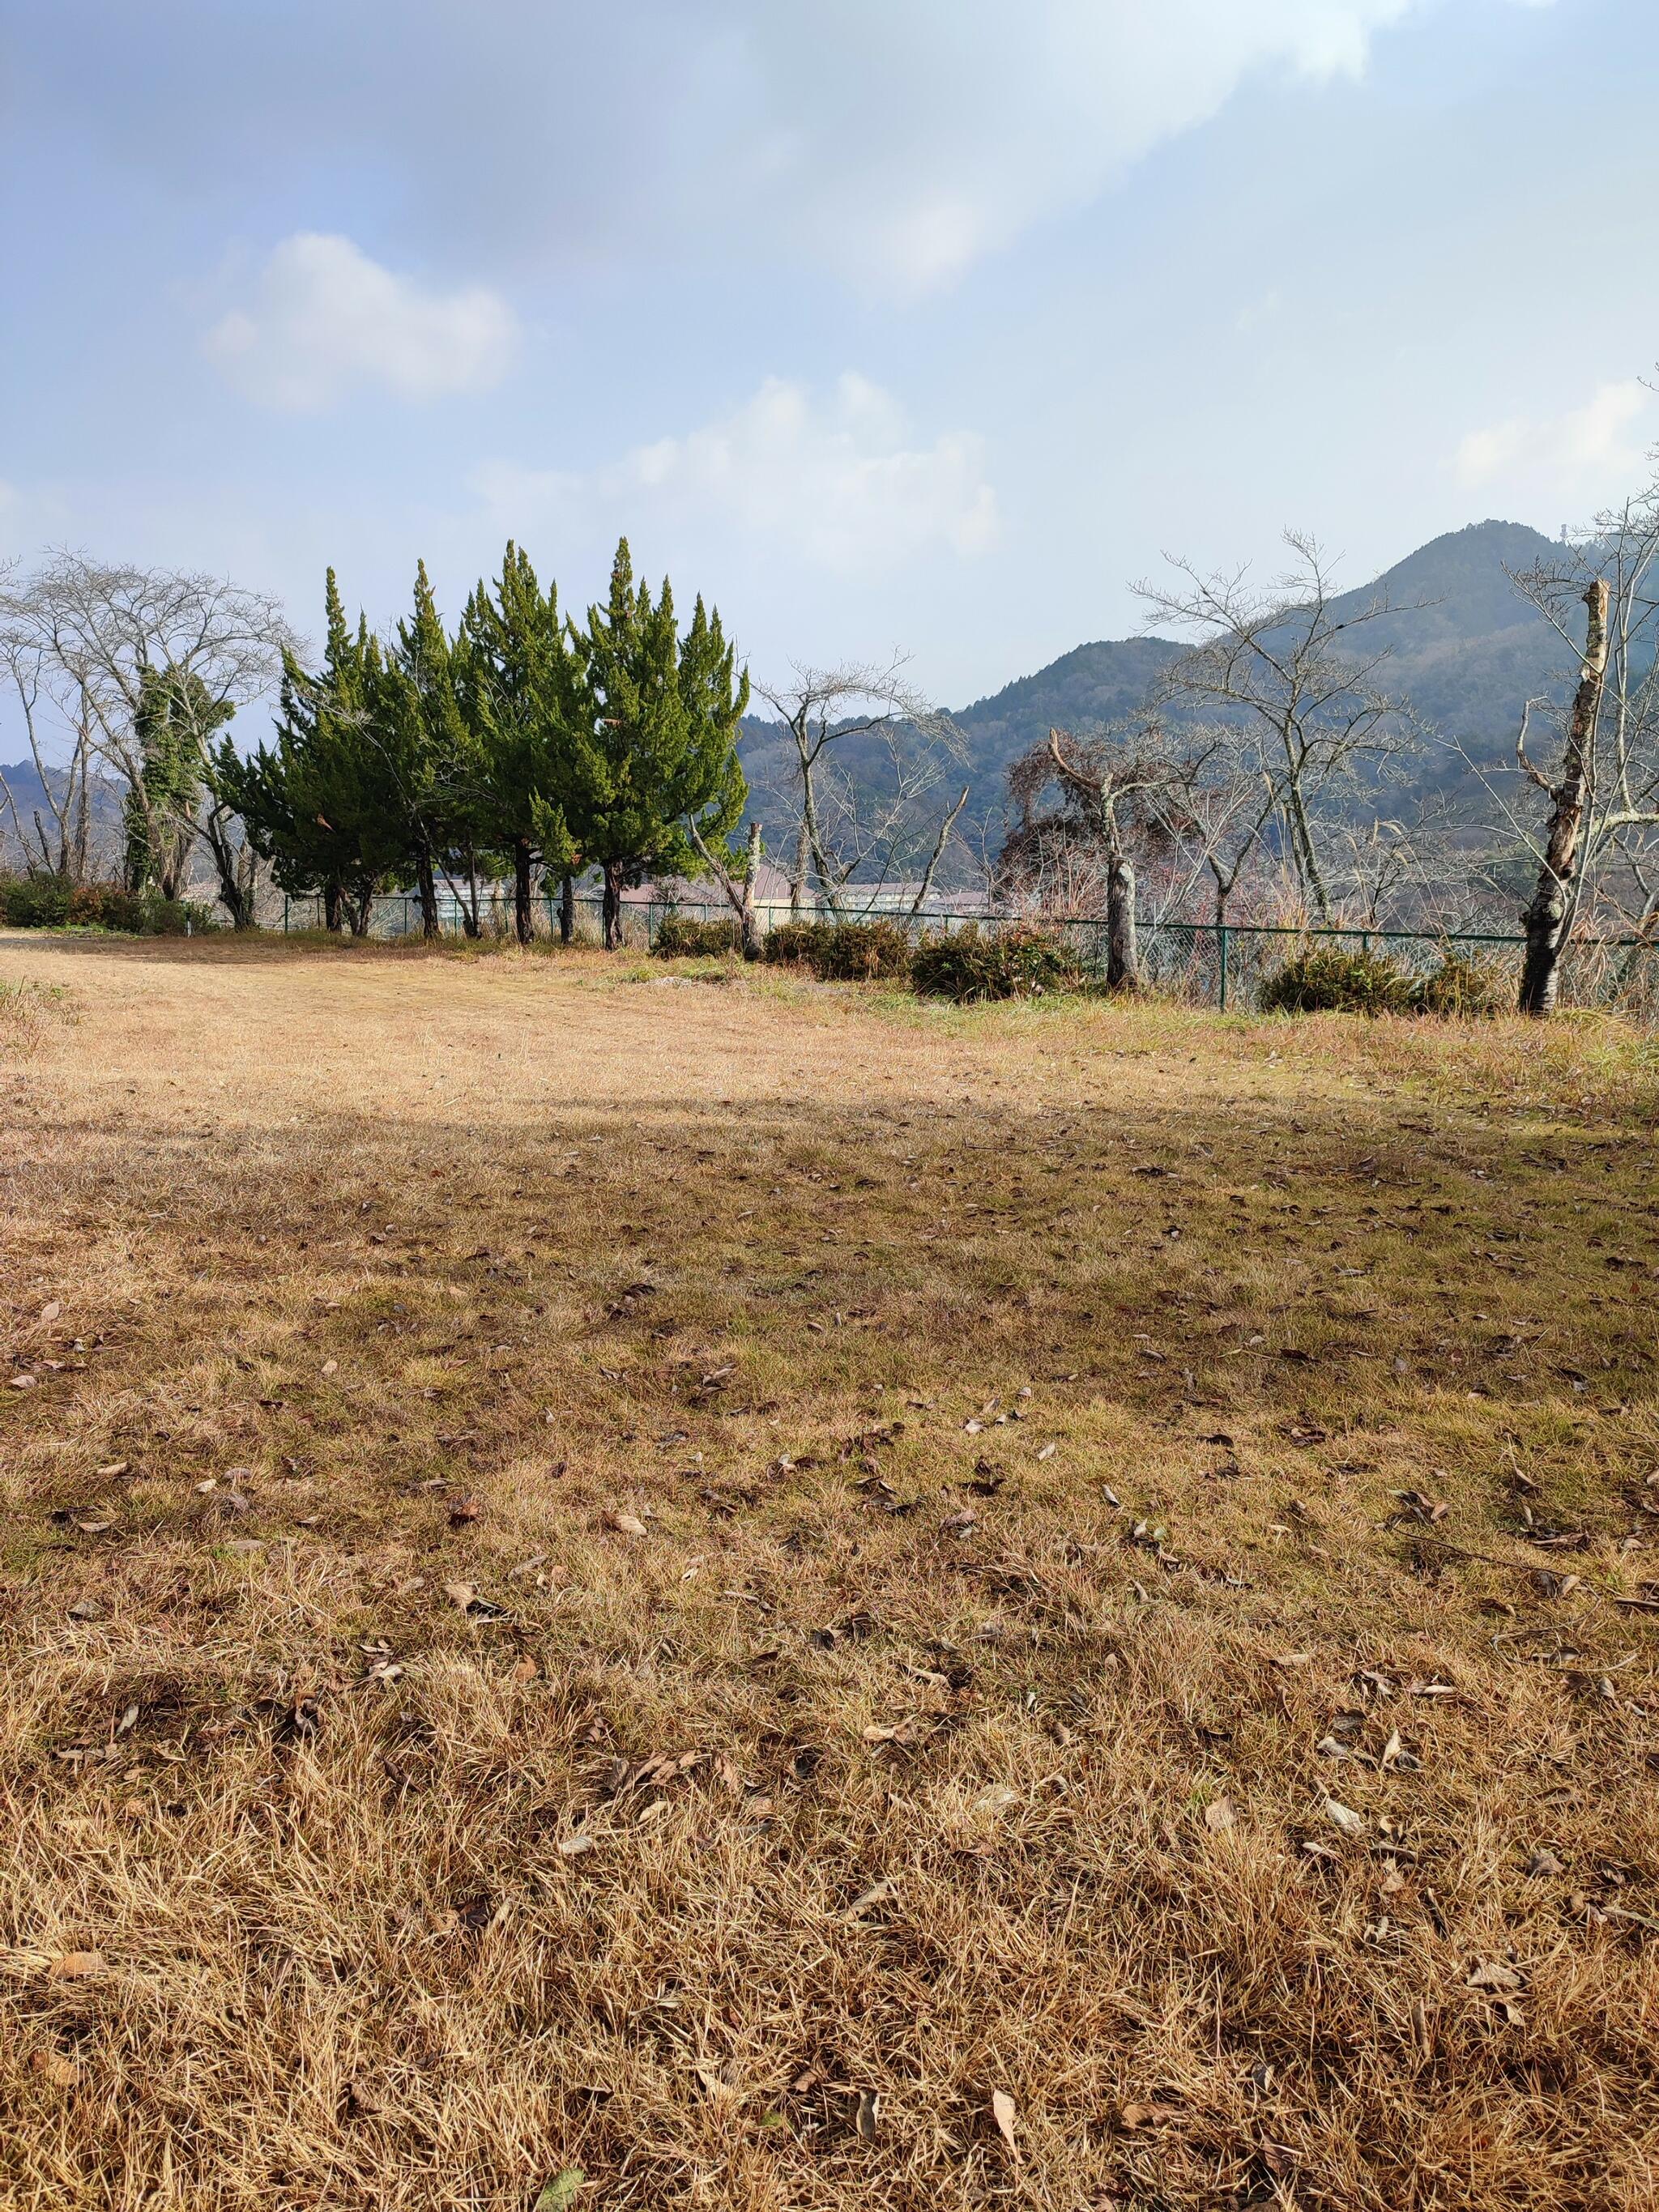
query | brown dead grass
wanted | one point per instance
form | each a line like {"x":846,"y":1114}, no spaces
{"x":515,"y":1657}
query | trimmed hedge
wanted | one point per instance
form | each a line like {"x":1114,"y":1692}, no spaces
{"x":54,"y":902}
{"x":841,"y":952}
{"x":1019,"y":962}
{"x":681,"y":937}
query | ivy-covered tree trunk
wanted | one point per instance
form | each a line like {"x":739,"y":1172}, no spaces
{"x":610,"y":906}
{"x":1546,"y":917}
{"x":523,"y":924}
{"x":428,"y":890}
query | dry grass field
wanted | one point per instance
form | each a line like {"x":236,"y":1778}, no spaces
{"x":796,"y":1601}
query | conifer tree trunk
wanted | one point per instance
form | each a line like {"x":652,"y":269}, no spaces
{"x":1544,"y":918}
{"x":611,"y":909}
{"x":522,"y":924}
{"x":331,"y":900}
{"x":567,"y":909}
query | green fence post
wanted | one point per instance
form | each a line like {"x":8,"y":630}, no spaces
{"x":1222,"y":964}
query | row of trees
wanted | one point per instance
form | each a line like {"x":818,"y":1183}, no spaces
{"x":521,"y":742}
{"x":1260,"y":778}
{"x":523,"y":745}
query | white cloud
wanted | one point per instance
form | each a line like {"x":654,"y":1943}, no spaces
{"x":830,"y":482}
{"x":325,"y":321}
{"x":1588,"y":452}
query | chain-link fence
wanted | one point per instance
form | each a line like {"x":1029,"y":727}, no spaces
{"x":1205,"y":962}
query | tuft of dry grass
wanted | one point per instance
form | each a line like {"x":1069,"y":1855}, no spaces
{"x":799,"y":1600}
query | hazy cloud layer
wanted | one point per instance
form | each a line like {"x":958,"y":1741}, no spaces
{"x":897,"y":141}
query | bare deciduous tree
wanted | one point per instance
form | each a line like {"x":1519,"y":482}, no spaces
{"x":737,"y":883}
{"x":1603,"y":794}
{"x":1290,"y":666}
{"x":870,"y":754}
{"x":106,"y":630}
{"x":44,"y":693}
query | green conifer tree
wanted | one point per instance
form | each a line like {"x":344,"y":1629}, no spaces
{"x":520,"y":693}
{"x":659,"y":756}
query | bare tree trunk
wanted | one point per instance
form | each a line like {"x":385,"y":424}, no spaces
{"x":748,"y":929}
{"x":522,"y":924}
{"x":567,"y":909}
{"x":83,"y":814}
{"x":739,"y":890}
{"x":1545,"y":919}
{"x":1122,"y":955}
{"x":940,"y":843}
{"x":798,"y":873}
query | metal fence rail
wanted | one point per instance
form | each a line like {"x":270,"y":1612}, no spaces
{"x":1208,"y":963}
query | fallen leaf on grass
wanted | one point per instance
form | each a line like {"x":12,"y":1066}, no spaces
{"x":1218,"y":1816}
{"x":1002,"y":2111}
{"x":997,"y":1799}
{"x":1493,"y":1974}
{"x":572,"y":1847}
{"x":867,"y":2114}
{"x":115,"y":1466}
{"x":463,"y":1510}
{"x":1345,"y":1817}
{"x":52,"y":2066}
{"x":878,"y":1894}
{"x":76,"y":1966}
{"x":559,"y":2193}
{"x":460,"y":1594}
{"x":626,"y":1524}
{"x":1047,"y":1451}
{"x":51,"y":1311}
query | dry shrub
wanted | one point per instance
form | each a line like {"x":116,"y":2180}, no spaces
{"x":1019,"y":961}
{"x":1339,"y":979}
{"x":681,"y":936}
{"x":841,"y":952}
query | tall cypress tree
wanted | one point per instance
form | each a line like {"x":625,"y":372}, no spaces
{"x":659,"y":755}
{"x":319,"y":805}
{"x":520,"y":693}
{"x":431,"y":757}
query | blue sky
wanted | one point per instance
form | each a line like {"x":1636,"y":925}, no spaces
{"x":913,"y":323}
